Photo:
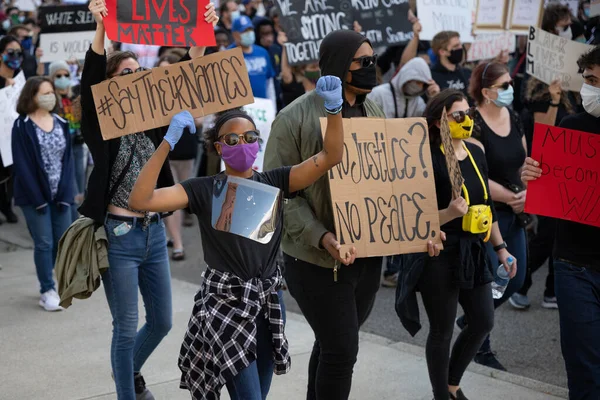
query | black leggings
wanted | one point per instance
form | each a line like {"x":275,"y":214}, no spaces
{"x":441,"y":298}
{"x":335,"y":312}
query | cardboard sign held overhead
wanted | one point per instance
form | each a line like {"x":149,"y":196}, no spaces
{"x":148,"y":99}
{"x":552,"y":57}
{"x":66,"y":32}
{"x":525,"y":13}
{"x":178,"y":23}
{"x":489,"y":45}
{"x":384,"y":23}
{"x":569,"y":187}
{"x":436,"y":16}
{"x":491,"y":14}
{"x":383,"y":192}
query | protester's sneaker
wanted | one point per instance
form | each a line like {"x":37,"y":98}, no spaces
{"x":50,"y":301}
{"x":390,"y":281}
{"x":459,"y":395}
{"x":519,"y":301}
{"x":549,"y":302}
{"x":489,"y":359}
{"x":141,"y":392}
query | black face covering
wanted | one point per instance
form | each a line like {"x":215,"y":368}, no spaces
{"x":456,"y":56}
{"x":364,"y":78}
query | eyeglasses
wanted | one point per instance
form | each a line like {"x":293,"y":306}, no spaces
{"x":233,"y":139}
{"x":63,"y":76}
{"x":14,"y":53}
{"x":503,"y":86}
{"x":366,"y":61}
{"x":129,"y":71}
{"x":460,"y":116}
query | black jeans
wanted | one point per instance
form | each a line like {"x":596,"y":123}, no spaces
{"x":335,"y":312}
{"x":540,"y":250}
{"x":441,"y":298}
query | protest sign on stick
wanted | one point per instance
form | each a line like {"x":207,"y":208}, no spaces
{"x":551,"y":57}
{"x":569,"y":187}
{"x":8,"y":104}
{"x":491,"y":15}
{"x":525,"y":13}
{"x":488,"y":45}
{"x":178,"y":23}
{"x":148,"y":99}
{"x":455,"y":15}
{"x":385,"y":22}
{"x":66,"y":32}
{"x":383,"y":192}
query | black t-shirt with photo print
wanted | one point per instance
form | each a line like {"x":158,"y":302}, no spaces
{"x":232,"y":253}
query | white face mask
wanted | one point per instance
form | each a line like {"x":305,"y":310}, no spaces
{"x":566,"y":33}
{"x":590,"y":97}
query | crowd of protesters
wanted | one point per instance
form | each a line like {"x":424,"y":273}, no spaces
{"x":141,"y":189}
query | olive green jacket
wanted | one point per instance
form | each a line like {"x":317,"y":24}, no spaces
{"x":296,"y":136}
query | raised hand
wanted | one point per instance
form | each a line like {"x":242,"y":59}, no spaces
{"x":98,"y":10}
{"x":330,"y":89}
{"x":179,"y":122}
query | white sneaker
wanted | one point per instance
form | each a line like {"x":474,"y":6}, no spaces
{"x":50,"y":301}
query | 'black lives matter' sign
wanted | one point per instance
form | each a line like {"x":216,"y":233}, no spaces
{"x":307,"y":22}
{"x":159,"y":22}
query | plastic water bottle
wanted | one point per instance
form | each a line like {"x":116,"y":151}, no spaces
{"x":501,"y":280}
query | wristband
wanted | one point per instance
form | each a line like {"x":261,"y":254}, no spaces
{"x":554,"y":105}
{"x":500,"y":247}
{"x":336,"y":111}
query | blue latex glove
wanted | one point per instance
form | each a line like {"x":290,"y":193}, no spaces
{"x":330,"y":89}
{"x":178,"y":123}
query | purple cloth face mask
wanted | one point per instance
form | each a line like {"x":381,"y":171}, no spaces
{"x":240,"y":157}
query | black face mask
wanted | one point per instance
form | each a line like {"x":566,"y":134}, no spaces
{"x":364,"y":78}
{"x":456,"y":56}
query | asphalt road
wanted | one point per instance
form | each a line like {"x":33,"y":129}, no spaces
{"x":526,"y":342}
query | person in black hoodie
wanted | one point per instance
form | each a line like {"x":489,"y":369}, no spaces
{"x":447,"y":72}
{"x":335,"y":300}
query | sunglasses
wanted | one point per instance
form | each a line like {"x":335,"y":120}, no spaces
{"x":366,"y":61}
{"x":129,"y":71}
{"x":460,"y":116}
{"x":503,"y":86}
{"x":233,"y":139}
{"x":63,"y":76}
{"x":14,"y":53}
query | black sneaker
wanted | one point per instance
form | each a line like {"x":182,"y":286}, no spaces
{"x":459,"y":395}
{"x":11,"y":217}
{"x":489,"y":359}
{"x":141,"y":393}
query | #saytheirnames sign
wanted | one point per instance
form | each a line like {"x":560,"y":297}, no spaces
{"x":149,"y":99}
{"x":383,"y":192}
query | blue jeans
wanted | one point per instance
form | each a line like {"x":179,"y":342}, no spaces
{"x":254,"y":381}
{"x":79,"y":176}
{"x":516,"y":240}
{"x":137,"y":259}
{"x":578,"y":296}
{"x":46,"y":230}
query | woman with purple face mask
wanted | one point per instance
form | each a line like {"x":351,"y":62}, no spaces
{"x":237,"y":322}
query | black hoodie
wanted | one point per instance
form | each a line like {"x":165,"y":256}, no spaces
{"x":335,"y":56}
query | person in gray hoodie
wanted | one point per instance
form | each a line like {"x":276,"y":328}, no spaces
{"x":402,"y":96}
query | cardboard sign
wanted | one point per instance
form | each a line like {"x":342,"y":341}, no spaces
{"x":525,"y":13}
{"x":491,"y":14}
{"x":66,"y":32}
{"x":488,"y":45}
{"x":550,"y":57}
{"x":306,"y":23}
{"x":383,"y":191}
{"x":384,"y":23}
{"x":28,"y":5}
{"x":437,"y":16}
{"x":8,"y":104}
{"x":594,"y":8}
{"x":569,"y":187}
{"x":263,"y":113}
{"x":178,"y":23}
{"x":148,"y":99}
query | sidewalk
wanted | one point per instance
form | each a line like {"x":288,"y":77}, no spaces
{"x":65,"y":356}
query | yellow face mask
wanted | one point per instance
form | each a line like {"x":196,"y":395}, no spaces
{"x":462,"y":130}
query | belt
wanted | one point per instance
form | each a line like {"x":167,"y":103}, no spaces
{"x":154,"y":218}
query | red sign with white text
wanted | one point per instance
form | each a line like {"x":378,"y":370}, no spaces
{"x":178,"y":23}
{"x":569,"y":186}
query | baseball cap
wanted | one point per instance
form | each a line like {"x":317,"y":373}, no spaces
{"x":242,"y":24}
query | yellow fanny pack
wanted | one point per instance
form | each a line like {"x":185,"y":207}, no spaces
{"x":478,"y":219}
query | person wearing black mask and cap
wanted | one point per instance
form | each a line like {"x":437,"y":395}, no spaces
{"x":335,"y":300}
{"x":447,"y":72}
